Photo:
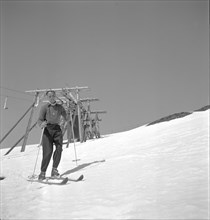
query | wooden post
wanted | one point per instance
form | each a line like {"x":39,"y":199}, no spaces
{"x":98,"y":135}
{"x":97,"y":122}
{"x":88,"y":118}
{"x":29,"y":123}
{"x":69,"y":126}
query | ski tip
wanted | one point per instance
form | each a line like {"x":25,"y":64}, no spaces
{"x":2,"y":177}
{"x":81,"y":177}
{"x":65,"y":181}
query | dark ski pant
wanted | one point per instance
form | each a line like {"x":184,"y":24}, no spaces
{"x":52,"y":135}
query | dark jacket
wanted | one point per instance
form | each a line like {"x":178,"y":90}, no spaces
{"x":51,"y":114}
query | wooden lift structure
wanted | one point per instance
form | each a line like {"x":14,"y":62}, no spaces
{"x":74,"y":105}
{"x":87,"y":120}
{"x":38,"y":95}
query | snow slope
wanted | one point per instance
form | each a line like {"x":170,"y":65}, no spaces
{"x":151,"y":172}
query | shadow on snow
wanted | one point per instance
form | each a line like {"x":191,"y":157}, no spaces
{"x":80,"y":167}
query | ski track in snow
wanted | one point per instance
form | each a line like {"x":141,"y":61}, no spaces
{"x":158,"y":171}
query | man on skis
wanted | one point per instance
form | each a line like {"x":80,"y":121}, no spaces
{"x":49,"y":120}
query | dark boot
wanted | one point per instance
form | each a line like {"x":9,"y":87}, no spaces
{"x":55,"y":173}
{"x":42,"y":176}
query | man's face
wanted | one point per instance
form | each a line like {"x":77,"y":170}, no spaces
{"x":51,"y":97}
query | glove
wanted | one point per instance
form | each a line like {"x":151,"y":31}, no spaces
{"x":43,"y":124}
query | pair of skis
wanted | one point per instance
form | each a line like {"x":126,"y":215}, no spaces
{"x":56,"y":181}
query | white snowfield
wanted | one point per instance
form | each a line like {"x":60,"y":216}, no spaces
{"x":151,"y":172}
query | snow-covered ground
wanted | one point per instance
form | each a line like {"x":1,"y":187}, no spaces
{"x":151,"y":172}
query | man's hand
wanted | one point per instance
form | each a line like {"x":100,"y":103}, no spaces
{"x":43,"y":124}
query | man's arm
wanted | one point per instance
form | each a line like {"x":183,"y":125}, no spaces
{"x":42,"y":117}
{"x":64,"y":114}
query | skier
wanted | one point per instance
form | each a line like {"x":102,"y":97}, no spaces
{"x":49,"y":119}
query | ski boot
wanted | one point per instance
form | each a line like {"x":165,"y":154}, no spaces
{"x":55,"y":173}
{"x":41,"y":176}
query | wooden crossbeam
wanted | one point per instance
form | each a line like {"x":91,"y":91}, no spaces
{"x":57,"y":100}
{"x":89,"y":99}
{"x":77,"y":88}
{"x":98,"y":112}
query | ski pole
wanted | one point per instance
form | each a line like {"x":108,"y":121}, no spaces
{"x":39,"y":146}
{"x":72,"y":129}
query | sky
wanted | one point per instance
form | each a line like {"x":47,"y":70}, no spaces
{"x":163,"y":177}
{"x":142,"y":59}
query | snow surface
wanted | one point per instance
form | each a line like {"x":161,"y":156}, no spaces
{"x":151,"y":172}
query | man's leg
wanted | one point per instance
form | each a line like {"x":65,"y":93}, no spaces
{"x":47,"y":145}
{"x":58,"y":140}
